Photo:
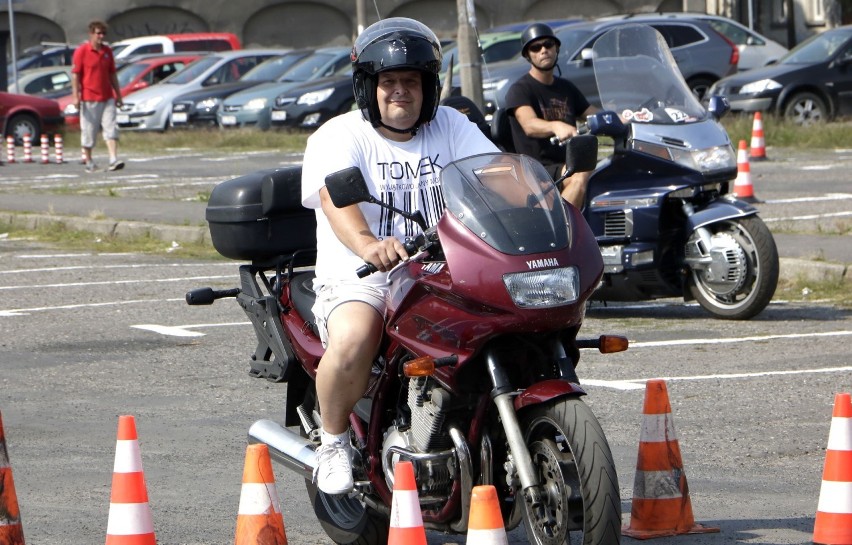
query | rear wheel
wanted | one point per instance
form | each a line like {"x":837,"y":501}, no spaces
{"x":743,"y":275}
{"x":346,"y":520}
{"x":572,"y":460}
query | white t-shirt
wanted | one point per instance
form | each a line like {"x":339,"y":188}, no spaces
{"x":403,"y":174}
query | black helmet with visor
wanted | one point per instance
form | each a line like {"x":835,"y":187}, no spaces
{"x":397,"y":43}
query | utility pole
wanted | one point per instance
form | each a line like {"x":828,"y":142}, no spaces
{"x":791,"y":23}
{"x":360,"y":17}
{"x":470,"y":69}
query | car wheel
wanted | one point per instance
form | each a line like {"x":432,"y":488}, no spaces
{"x":700,"y":86}
{"x":22,"y":124}
{"x":806,"y":109}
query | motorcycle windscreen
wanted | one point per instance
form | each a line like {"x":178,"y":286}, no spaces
{"x":639,"y":79}
{"x":509,"y":201}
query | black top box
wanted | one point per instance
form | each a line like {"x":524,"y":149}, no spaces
{"x":260,"y":216}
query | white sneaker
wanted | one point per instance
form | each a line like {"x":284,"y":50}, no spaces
{"x":116,"y":165}
{"x":91,"y":167}
{"x":333,"y":473}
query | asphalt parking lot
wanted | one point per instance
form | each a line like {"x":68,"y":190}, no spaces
{"x":86,"y":337}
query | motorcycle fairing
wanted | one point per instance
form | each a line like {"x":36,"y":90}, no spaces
{"x":720,"y":210}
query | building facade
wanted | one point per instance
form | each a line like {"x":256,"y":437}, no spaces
{"x":295,"y":23}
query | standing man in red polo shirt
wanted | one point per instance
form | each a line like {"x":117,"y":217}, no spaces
{"x":96,"y":95}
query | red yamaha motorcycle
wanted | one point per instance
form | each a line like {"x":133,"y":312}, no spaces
{"x":475,"y":382}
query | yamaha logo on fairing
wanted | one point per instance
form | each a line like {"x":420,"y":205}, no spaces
{"x":542,"y":263}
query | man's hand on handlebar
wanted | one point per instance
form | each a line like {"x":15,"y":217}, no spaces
{"x":384,"y":254}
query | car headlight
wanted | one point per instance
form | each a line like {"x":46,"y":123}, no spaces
{"x":495,"y":85}
{"x":706,"y":160}
{"x":70,"y":109}
{"x":256,"y":104}
{"x":544,"y":288}
{"x":315,"y":97}
{"x":759,"y":86}
{"x":148,"y":105}
{"x":207,"y":104}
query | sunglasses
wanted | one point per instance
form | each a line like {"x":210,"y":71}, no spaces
{"x":547,"y":44}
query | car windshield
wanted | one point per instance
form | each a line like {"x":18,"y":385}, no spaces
{"x":193,"y":70}
{"x":118,"y":48}
{"x":272,"y":69}
{"x":817,"y":48}
{"x":572,"y":39}
{"x":307,"y":67}
{"x":129,"y":72}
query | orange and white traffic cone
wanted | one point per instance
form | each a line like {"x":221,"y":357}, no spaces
{"x":758,"y":143}
{"x":45,"y":149}
{"x":11,"y":531}
{"x":661,"y":505}
{"x":130,"y":521}
{"x":259,"y":519}
{"x":743,"y":188}
{"x":485,"y":525}
{"x":59,"y":148}
{"x":28,"y":148}
{"x":10,"y":149}
{"x":833,"y":524}
{"x":406,"y":521}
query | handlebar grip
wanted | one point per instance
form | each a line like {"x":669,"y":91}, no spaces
{"x":366,"y":270}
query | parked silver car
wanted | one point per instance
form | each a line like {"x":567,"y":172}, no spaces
{"x":150,"y":108}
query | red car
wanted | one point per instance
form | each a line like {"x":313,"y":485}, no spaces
{"x":27,"y":114}
{"x":138,"y":74}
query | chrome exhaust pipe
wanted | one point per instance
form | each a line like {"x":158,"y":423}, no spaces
{"x":286,"y":447}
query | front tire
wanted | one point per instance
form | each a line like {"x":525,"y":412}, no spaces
{"x":346,"y":520}
{"x":573,"y":462}
{"x":806,"y":109}
{"x":747,"y":295}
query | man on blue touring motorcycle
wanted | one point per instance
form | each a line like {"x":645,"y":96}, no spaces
{"x":659,"y":205}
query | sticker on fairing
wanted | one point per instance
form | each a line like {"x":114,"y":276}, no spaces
{"x":677,"y":115}
{"x":643,"y":116}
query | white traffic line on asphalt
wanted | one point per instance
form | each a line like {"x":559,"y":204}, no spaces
{"x":639,"y":383}
{"x":113,"y":282}
{"x":27,"y":311}
{"x":756,"y":338}
{"x":184,"y":330}
{"x":145,"y":266}
{"x":826,"y":197}
{"x":809,"y":217}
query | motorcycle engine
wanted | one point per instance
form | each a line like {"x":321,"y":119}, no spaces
{"x":428,"y":404}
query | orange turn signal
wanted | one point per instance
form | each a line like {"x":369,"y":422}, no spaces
{"x":613,"y":343}
{"x":419,"y":367}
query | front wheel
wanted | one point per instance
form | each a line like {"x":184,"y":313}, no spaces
{"x":579,"y":485}
{"x":805,"y":109}
{"x":743,"y":275}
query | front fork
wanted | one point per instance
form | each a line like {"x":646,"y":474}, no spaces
{"x":502,"y":396}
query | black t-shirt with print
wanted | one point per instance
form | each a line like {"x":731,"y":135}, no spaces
{"x":558,"y":101}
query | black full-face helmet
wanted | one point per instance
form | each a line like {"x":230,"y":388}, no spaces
{"x":536,"y":31}
{"x":397,"y":43}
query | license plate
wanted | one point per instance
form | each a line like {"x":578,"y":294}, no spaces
{"x":179,"y":117}
{"x":229,"y":120}
{"x":279,"y":115}
{"x":122,"y":119}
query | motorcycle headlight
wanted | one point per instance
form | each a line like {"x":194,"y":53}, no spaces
{"x":759,"y":86}
{"x":256,"y":104}
{"x":545,"y":288}
{"x":706,"y":160}
{"x":315,"y":97}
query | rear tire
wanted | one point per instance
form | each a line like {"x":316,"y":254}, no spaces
{"x":22,"y":124}
{"x":346,"y":520}
{"x":806,"y":109}
{"x":575,"y":467}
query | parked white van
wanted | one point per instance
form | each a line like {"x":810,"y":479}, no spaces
{"x":176,"y":43}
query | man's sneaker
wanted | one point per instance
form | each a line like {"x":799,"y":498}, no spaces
{"x":333,"y":473}
{"x":116,"y":165}
{"x":91,"y":167}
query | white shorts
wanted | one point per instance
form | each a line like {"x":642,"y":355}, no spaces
{"x":94,"y":116}
{"x":330,"y":296}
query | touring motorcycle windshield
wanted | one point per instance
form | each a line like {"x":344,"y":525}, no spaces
{"x":509,"y":201}
{"x":638,"y":78}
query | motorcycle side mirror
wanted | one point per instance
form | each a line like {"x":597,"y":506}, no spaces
{"x":606,"y":123}
{"x":718,"y":106}
{"x":581,"y":154}
{"x":347,"y":187}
